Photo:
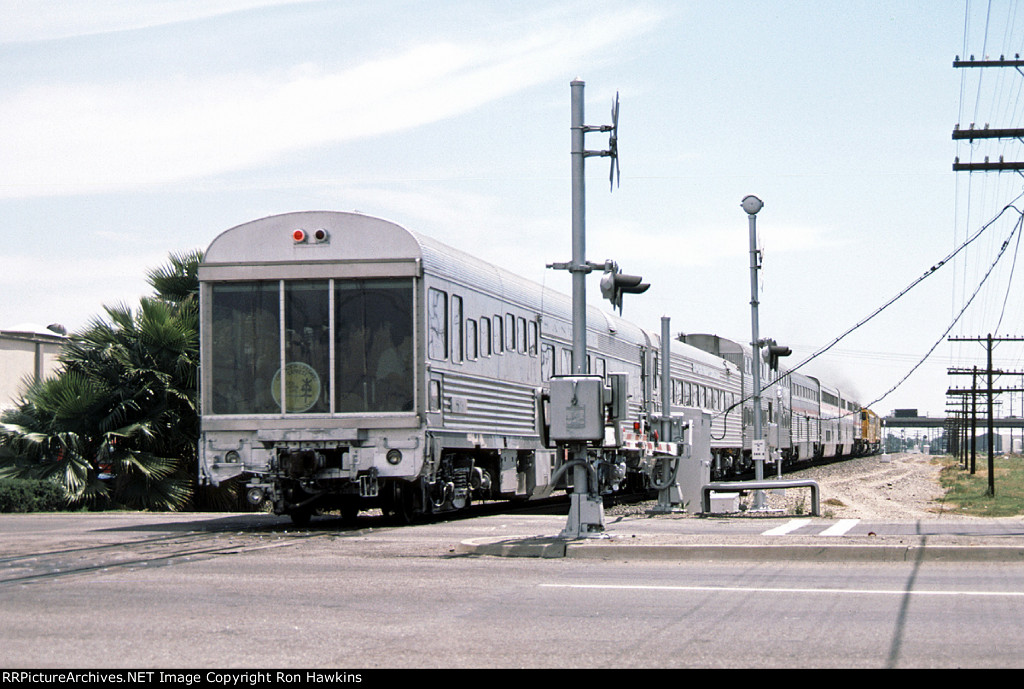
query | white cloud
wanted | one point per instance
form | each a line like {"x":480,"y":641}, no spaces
{"x":92,"y":137}
{"x":42,"y":20}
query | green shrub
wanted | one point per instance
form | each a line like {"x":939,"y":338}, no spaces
{"x":24,"y":495}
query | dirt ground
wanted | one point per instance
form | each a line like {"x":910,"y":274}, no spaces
{"x":899,"y":486}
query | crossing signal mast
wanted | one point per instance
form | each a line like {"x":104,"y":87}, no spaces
{"x":578,"y":401}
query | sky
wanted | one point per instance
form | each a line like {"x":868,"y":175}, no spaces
{"x":130,"y":129}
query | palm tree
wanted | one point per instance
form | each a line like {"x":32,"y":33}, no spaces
{"x":118,"y":423}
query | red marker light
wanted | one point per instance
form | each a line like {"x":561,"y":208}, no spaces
{"x":298,"y":236}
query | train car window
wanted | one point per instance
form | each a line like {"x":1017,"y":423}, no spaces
{"x":373,"y":344}
{"x":499,"y":335}
{"x":458,"y":336}
{"x":437,"y":324}
{"x":485,"y":336}
{"x":547,"y":361}
{"x":472,"y":343}
{"x":510,"y":332}
{"x":434,"y":396}
{"x":307,"y":343}
{"x":246,"y":347}
{"x":533,"y":338}
{"x":590,"y":363}
{"x":521,"y":333}
{"x":565,"y":364}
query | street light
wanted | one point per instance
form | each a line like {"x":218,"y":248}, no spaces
{"x":758,"y":450}
{"x":752,"y":204}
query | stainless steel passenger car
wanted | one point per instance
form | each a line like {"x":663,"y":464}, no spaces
{"x":350,"y":363}
{"x":802,"y":418}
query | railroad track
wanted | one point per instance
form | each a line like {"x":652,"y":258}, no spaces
{"x":148,"y":552}
{"x":19,"y":569}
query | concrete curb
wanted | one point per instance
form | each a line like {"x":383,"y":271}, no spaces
{"x":516,"y":546}
{"x":553,"y":547}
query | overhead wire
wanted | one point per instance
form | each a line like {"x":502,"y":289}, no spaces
{"x":1002,"y":250}
{"x":988,"y":192}
{"x":999,"y":91}
{"x":1009,"y":282}
{"x":928,"y":273}
{"x":931,"y":271}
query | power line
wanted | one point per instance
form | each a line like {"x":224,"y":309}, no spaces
{"x":1002,"y":250}
{"x":931,"y":271}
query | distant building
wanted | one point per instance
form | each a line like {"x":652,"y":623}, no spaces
{"x":27,"y":352}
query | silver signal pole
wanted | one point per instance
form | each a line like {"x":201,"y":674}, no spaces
{"x":752,"y":204}
{"x":586,"y":511}
{"x":578,"y":267}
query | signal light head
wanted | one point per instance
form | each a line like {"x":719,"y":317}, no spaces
{"x":614,"y":283}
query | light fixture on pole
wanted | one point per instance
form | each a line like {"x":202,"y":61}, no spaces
{"x":758,"y":448}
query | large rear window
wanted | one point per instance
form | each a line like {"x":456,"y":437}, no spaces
{"x":271,"y":345}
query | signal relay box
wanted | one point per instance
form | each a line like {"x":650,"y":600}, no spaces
{"x":578,"y":408}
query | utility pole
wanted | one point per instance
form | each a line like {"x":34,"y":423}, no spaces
{"x":990,"y":391}
{"x":972,"y":134}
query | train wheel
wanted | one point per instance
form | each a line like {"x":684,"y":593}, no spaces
{"x":349,"y":513}
{"x":301,"y":517}
{"x":399,"y":503}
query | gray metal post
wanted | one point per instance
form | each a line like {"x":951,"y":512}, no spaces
{"x":670,"y":498}
{"x":586,"y":510}
{"x":752,"y":204}
{"x":666,"y":382}
{"x":578,"y":268}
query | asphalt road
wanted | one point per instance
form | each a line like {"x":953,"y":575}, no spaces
{"x":251,"y":592}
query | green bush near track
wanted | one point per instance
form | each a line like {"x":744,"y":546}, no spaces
{"x":25,"y":495}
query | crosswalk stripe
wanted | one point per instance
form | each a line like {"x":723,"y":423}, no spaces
{"x":791,"y":525}
{"x":840,"y":527}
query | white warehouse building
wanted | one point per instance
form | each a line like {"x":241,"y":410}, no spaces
{"x":27,"y":352}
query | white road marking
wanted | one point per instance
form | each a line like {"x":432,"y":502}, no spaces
{"x":732,"y":589}
{"x":840,"y":527}
{"x":791,"y":525}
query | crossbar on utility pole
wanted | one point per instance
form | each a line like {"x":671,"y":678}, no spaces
{"x":972,"y":134}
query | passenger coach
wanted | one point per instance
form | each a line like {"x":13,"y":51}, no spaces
{"x":348,"y":362}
